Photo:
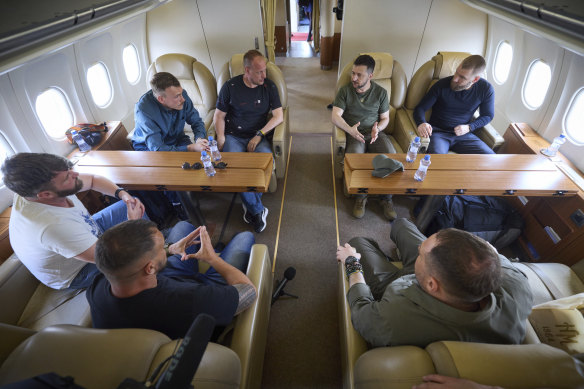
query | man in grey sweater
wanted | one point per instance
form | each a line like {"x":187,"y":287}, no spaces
{"x":453,"y":286}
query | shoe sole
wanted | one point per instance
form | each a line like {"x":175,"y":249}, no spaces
{"x":244,"y":214}
{"x":264,"y":217}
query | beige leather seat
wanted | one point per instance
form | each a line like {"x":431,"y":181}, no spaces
{"x":442,"y":65}
{"x":530,"y":365}
{"x":195,"y":78}
{"x":103,"y":358}
{"x":281,"y":138}
{"x":389,"y":74}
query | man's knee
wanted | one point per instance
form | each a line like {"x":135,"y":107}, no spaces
{"x":362,"y":244}
{"x":400,"y":225}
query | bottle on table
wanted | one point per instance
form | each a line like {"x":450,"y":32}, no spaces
{"x":83,"y":146}
{"x":553,"y":149}
{"x":413,"y":150}
{"x":423,"y":169}
{"x":206,"y":159}
{"x":215,"y":154}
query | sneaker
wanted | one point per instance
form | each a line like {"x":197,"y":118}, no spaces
{"x":259,"y":220}
{"x":359,"y":207}
{"x":246,"y":216}
{"x":388,"y":210}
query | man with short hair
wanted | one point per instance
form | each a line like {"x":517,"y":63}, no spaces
{"x":361,"y":109}
{"x":241,"y":122}
{"x":160,"y":116}
{"x":453,"y":101}
{"x":51,"y":231}
{"x":453,"y":286}
{"x":131,"y":292}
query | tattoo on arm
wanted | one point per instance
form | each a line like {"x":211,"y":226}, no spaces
{"x":247,"y":295}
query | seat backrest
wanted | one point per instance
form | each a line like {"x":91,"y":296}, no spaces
{"x":235,"y":67}
{"x":389,"y":74}
{"x":104,"y":358}
{"x":441,"y":65}
{"x":193,"y":76}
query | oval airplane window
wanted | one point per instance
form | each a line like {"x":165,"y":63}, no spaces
{"x":131,"y":63}
{"x":100,"y":84}
{"x":5,"y":151}
{"x":537,"y":82}
{"x":503,"y":59}
{"x":574,"y":118}
{"x":54,"y":112}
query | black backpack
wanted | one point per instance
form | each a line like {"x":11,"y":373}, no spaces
{"x":490,"y":218}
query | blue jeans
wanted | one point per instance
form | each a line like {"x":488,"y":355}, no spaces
{"x":251,"y":200}
{"x":469,"y":143}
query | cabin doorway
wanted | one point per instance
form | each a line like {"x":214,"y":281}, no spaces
{"x":301,"y":23}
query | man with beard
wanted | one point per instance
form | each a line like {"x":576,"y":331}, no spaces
{"x":453,"y":101}
{"x":52,"y":233}
{"x":361,"y":109}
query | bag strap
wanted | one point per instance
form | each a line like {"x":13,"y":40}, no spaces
{"x":547,"y":282}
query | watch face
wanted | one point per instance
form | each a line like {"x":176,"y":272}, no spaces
{"x":350,"y":260}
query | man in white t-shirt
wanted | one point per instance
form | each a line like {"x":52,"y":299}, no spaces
{"x":52,"y":233}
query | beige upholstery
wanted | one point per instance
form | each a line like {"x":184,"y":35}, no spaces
{"x":442,"y":65}
{"x":281,"y":138}
{"x":511,"y":366}
{"x":195,"y":78}
{"x":103,"y":358}
{"x":389,"y":74}
{"x":27,"y":303}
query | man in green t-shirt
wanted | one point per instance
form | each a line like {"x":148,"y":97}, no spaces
{"x":361,"y":109}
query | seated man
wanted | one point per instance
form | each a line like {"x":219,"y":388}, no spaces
{"x":454,"y":100}
{"x":51,"y":231}
{"x":453,"y":286}
{"x":131,"y":292}
{"x":361,"y":109}
{"x":241,"y":122}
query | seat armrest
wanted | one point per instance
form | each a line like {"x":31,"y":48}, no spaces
{"x":281,"y":144}
{"x":208,"y":121}
{"x":251,"y":327}
{"x":352,"y":344}
{"x":339,"y":146}
{"x":10,"y":337}
{"x":17,"y":286}
{"x":490,"y":136}
{"x":406,"y":130}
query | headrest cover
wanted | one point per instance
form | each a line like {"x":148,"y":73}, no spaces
{"x":384,"y":166}
{"x":450,"y":61}
{"x":236,"y":65}
{"x":179,"y":65}
{"x":383,"y":65}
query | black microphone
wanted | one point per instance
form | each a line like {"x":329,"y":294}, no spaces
{"x":289,"y":274}
{"x":185,"y":361}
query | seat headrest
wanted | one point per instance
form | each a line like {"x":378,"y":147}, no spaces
{"x":447,"y":62}
{"x":236,"y":65}
{"x":383,"y":65}
{"x":179,"y":65}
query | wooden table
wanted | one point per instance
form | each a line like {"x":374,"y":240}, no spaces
{"x":456,"y":174}
{"x":162,"y":170}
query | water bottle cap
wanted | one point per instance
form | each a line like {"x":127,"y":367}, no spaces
{"x":73,"y":132}
{"x":427,"y":157}
{"x":417,"y":139}
{"x":203,"y":153}
{"x":562,"y":136}
{"x":210,"y":138}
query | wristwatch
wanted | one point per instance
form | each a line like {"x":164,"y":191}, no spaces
{"x":117,"y":194}
{"x":260,"y":134}
{"x":351,"y":260}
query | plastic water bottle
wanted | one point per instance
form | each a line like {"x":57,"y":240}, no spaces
{"x":553,"y":149}
{"x":421,"y":172}
{"x":206,"y":159}
{"x":413,"y":150}
{"x":83,"y":146}
{"x":215,"y":154}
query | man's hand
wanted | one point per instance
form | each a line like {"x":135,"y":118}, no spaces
{"x":182,"y":245}
{"x":374,"y":132}
{"x":436,"y":381}
{"x":202,"y":144}
{"x":354,"y":132}
{"x":461,"y":129}
{"x":220,"y":141}
{"x":135,"y":208}
{"x":253,"y":142}
{"x":425,"y":130}
{"x":346,"y":251}
{"x":206,"y":253}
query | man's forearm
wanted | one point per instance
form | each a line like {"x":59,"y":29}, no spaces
{"x":341,"y":123}
{"x":271,"y":124}
{"x":231,"y":274}
{"x":103,"y":185}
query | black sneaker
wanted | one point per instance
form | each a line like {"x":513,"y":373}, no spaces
{"x":259,"y":220}
{"x":246,"y":216}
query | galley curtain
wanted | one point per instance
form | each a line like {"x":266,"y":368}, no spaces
{"x":316,"y":25}
{"x":269,"y":21}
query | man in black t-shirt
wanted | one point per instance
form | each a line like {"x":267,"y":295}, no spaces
{"x":131,"y":292}
{"x":241,"y":122}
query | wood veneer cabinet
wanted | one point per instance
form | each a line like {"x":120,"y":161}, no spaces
{"x":551,"y":234}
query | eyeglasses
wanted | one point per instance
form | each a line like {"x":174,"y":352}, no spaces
{"x":199,"y":165}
